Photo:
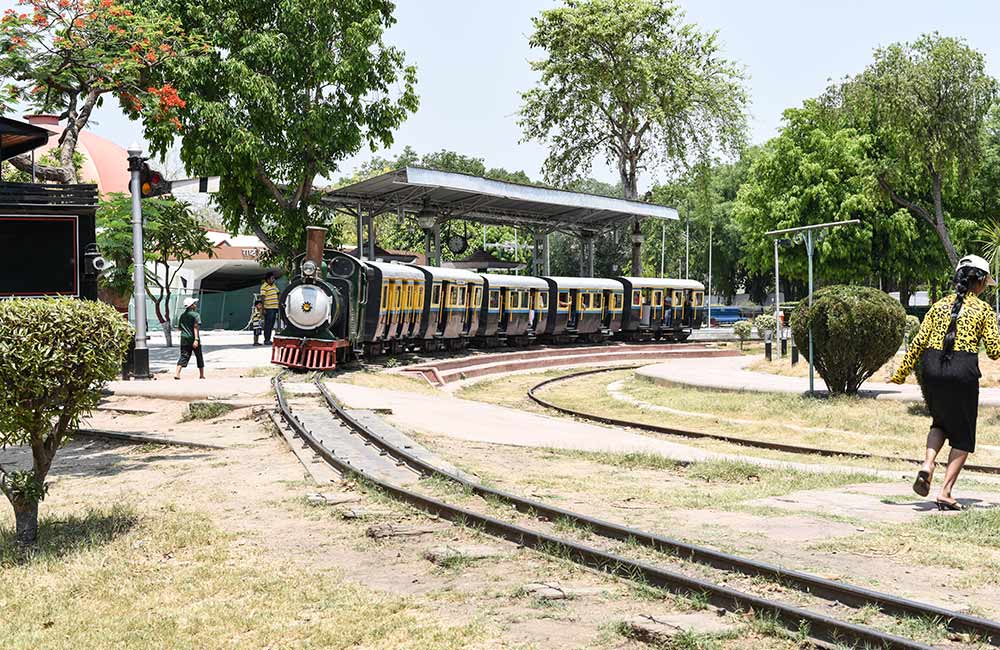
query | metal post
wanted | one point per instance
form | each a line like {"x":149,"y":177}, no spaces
{"x":140,"y":358}
{"x":710,"y":275}
{"x":548,"y":267}
{"x":361,"y":235}
{"x":687,"y":246}
{"x":33,"y":166}
{"x":663,"y":246}
{"x":371,"y":236}
{"x":809,"y":252}
{"x":437,"y":244}
{"x":777,"y":292}
{"x":590,"y":256}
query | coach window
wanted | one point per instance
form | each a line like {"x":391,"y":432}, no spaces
{"x":616,"y":302}
{"x":543,"y":301}
{"x":436,"y":296}
{"x":583,"y":302}
{"x":385,"y":293}
{"x":477,"y":296}
{"x":636,"y":297}
{"x":494,"y":299}
{"x":598,"y":300}
{"x":563,"y":300}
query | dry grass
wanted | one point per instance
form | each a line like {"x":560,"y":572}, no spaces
{"x":847,"y":423}
{"x":115,"y":578}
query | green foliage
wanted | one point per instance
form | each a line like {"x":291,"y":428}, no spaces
{"x":912,"y":327}
{"x":765,"y":323}
{"x":856,"y":330}
{"x":171,"y":232}
{"x":206,"y":411}
{"x":924,"y":104}
{"x":64,"y":57}
{"x":287,"y":92}
{"x":630,"y":81}
{"x":743,"y":329}
{"x":55,"y":356}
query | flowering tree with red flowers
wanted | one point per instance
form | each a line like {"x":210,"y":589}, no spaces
{"x":66,"y":56}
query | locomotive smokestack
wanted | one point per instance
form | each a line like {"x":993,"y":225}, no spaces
{"x":315,"y":241}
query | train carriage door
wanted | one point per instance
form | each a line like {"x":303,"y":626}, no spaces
{"x":678,"y":307}
{"x":647,"y":308}
{"x":657,"y":306}
{"x":438,"y":304}
{"x":606,"y":309}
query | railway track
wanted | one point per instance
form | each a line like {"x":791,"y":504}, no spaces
{"x":385,"y":454}
{"x":688,"y":433}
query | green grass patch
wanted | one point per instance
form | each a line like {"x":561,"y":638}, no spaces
{"x":206,"y":410}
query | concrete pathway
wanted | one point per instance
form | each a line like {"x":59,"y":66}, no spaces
{"x":222,"y":349}
{"x":480,"y":422}
{"x":730,"y":373}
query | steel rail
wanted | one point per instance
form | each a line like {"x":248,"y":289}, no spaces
{"x":736,"y":440}
{"x":820,"y":626}
{"x":141,"y":439}
{"x":822,"y":587}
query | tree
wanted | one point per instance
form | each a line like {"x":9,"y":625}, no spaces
{"x":820,"y":169}
{"x":287,"y":92}
{"x":55,"y":355}
{"x":925,"y":106}
{"x":628,"y":80}
{"x":66,"y":56}
{"x":172,"y":234}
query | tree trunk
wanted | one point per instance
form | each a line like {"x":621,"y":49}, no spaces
{"x":47,"y":173}
{"x":630,"y":191}
{"x":939,"y":225}
{"x":25,"y":521}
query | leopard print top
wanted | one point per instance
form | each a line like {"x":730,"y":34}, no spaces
{"x":976,"y":323}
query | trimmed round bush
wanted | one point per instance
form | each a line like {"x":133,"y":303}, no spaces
{"x":743,"y":329}
{"x":856,"y":330}
{"x":764,"y":323}
{"x":912,"y":327}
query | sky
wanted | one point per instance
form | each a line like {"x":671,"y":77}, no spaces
{"x":472,"y":62}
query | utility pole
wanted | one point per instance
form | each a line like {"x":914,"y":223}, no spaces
{"x":140,"y":358}
{"x":809,"y":252}
{"x":663,"y":246}
{"x":687,"y":246}
{"x":710,"y":274}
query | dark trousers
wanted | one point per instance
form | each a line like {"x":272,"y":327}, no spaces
{"x":270,"y":316}
{"x":187,"y":349}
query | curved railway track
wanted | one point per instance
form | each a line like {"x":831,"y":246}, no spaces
{"x":688,"y":433}
{"x":821,"y":626}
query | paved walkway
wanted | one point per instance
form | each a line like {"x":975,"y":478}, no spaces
{"x":730,"y":373}
{"x":222,"y":349}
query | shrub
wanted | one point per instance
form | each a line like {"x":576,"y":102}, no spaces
{"x":856,"y":330}
{"x":55,"y":355}
{"x":912,"y":326}
{"x":764,"y":323}
{"x":742,"y":329}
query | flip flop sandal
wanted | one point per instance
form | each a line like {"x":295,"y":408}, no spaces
{"x":922,"y":485}
{"x":949,"y":505}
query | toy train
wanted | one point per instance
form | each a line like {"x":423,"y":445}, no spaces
{"x":338,"y":306}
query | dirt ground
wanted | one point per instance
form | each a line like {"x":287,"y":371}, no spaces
{"x":253,"y":495}
{"x":244,"y":523}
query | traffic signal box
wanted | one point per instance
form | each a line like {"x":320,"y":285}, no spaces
{"x":152,"y":183}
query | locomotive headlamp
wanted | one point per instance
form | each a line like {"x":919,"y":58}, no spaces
{"x":309,"y":268}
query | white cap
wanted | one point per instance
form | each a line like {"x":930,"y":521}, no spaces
{"x":190,"y":301}
{"x":977,"y":262}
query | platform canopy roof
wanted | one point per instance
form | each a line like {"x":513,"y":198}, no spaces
{"x":19,"y":137}
{"x":450,"y":195}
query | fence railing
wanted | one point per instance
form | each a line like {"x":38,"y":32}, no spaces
{"x":39,"y":194}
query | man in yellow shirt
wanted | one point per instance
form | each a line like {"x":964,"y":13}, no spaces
{"x":269,"y":294}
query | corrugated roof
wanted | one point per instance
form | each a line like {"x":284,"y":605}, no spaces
{"x":451,"y":195}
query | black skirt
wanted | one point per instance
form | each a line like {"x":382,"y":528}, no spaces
{"x":951,"y":388}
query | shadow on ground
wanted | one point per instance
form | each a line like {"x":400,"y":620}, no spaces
{"x":60,"y":536}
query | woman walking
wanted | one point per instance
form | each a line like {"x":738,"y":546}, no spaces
{"x":947,"y":347}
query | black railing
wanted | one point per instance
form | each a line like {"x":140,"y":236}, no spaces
{"x":39,"y":194}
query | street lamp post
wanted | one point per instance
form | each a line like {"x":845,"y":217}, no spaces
{"x":777,"y":293}
{"x":808,"y":230}
{"x":710,"y":275}
{"x":140,"y":358}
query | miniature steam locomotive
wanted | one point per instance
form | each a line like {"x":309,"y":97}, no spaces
{"x":338,"y":306}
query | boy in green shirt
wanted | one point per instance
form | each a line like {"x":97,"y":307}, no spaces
{"x":190,"y":326}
